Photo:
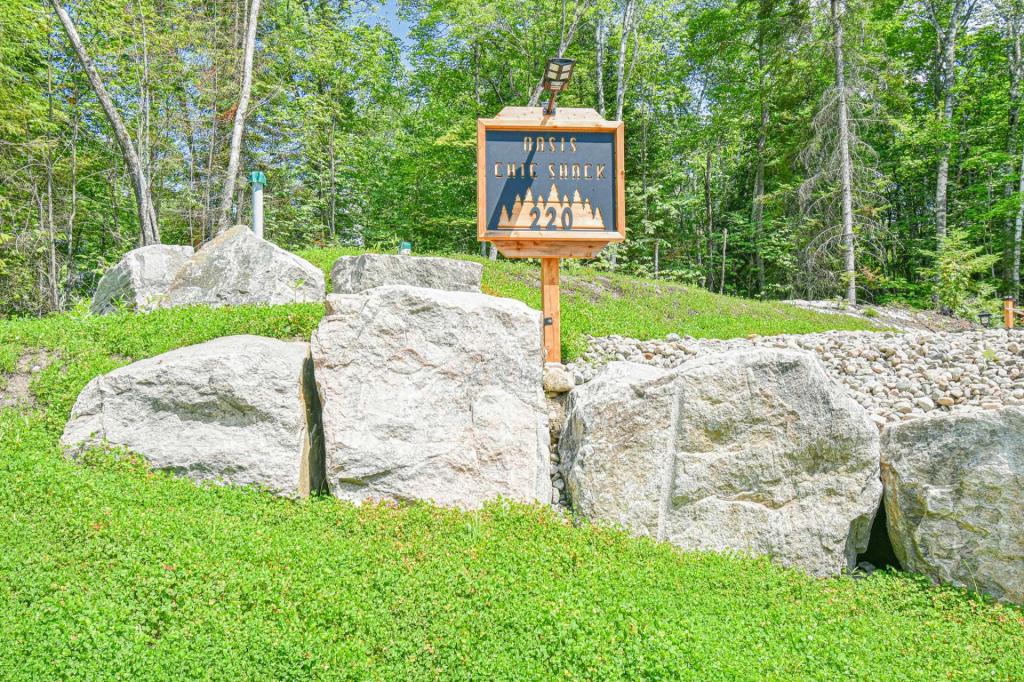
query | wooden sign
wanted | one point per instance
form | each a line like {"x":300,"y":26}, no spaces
{"x":550,"y":187}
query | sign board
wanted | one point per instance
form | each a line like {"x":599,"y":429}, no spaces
{"x":550,"y":186}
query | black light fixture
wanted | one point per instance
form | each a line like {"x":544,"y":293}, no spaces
{"x":556,"y":77}
{"x":985,"y":319}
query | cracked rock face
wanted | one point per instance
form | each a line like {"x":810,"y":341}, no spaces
{"x":432,"y":395}
{"x":238,"y":268}
{"x":353,"y":274}
{"x":756,"y":451}
{"x":140,"y":280}
{"x":233,"y":410}
{"x":954,"y":499}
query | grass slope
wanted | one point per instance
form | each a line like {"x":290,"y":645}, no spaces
{"x":601,"y":304}
{"x":110,"y":571}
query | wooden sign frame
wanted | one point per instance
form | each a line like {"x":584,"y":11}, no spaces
{"x":551,"y":243}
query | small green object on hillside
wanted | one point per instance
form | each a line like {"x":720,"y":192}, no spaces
{"x":404,"y":248}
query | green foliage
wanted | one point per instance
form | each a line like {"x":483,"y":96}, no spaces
{"x":958,"y":272}
{"x":368,"y":138}
{"x":110,"y":571}
{"x":9,"y":354}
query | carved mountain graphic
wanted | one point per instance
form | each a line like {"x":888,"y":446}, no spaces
{"x":528,"y":212}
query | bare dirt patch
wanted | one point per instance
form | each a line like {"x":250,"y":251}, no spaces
{"x":14,"y":386}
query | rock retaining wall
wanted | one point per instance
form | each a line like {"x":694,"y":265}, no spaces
{"x":413,"y":392}
{"x":896,"y":377}
{"x":237,"y":410}
{"x":432,"y":395}
{"x":140,"y":280}
{"x":751,"y":451}
{"x":954,"y":499}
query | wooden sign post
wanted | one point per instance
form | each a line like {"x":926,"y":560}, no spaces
{"x":550,"y":187}
{"x":551,"y":304}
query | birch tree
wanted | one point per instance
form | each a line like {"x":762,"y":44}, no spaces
{"x":149,"y":230}
{"x":1011,"y":13}
{"x":764,"y":14}
{"x":947,"y":30}
{"x":599,"y":40}
{"x":231,"y":175}
{"x":568,"y":27}
{"x":627,"y":31}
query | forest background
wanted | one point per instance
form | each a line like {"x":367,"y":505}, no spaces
{"x":853,"y":149}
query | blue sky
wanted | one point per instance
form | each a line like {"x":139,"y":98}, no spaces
{"x":388,"y":14}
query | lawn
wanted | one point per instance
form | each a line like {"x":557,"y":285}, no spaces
{"x":111,"y":571}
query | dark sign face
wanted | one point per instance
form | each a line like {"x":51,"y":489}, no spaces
{"x":550,"y":181}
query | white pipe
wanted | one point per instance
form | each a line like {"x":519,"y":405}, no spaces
{"x":257,"y":209}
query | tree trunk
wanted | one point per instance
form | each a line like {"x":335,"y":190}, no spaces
{"x":725,"y":244}
{"x":52,"y":275}
{"x":757,"y":203}
{"x":947,"y":35}
{"x":150,"y":232}
{"x":628,"y":19}
{"x":332,"y":225}
{"x":208,"y":191}
{"x":709,"y":222}
{"x":621,"y":77}
{"x":845,"y":164}
{"x":190,"y":137}
{"x":566,"y":39}
{"x":145,"y":107}
{"x":240,"y":112}
{"x":644,"y":165}
{"x":1013,"y":16}
{"x":599,"y":85}
{"x":476,"y":73}
{"x":1017,"y":226}
{"x":698,"y":234}
{"x":941,"y":194}
{"x":757,"y":207}
{"x":73,"y":211}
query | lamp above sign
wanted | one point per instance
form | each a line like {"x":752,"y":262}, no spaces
{"x":550,"y":186}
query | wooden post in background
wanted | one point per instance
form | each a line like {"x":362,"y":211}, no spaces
{"x":549,"y":294}
{"x":1008,"y":312}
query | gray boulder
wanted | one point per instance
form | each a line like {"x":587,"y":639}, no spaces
{"x":557,"y":379}
{"x":140,"y":280}
{"x":753,"y":450}
{"x":954,"y":499}
{"x":237,"y":268}
{"x":232,"y":410}
{"x":352,"y":274}
{"x":432,"y":395}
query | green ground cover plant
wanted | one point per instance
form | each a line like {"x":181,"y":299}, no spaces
{"x":600,"y":303}
{"x":111,"y":571}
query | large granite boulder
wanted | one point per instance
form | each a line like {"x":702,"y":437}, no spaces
{"x":753,"y":450}
{"x":432,"y":395}
{"x":140,"y":280}
{"x":234,"y":410}
{"x":236,"y":268}
{"x":954,"y":499}
{"x":352,"y":274}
